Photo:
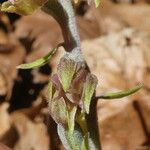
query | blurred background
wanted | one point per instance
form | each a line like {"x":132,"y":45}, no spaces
{"x":116,"y":44}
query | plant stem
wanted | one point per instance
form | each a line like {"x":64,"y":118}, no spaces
{"x":63,"y":13}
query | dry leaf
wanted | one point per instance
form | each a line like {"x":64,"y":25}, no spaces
{"x":4,"y":119}
{"x":32,"y":135}
{"x":120,"y":60}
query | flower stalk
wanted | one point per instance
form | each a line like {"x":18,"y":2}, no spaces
{"x":71,"y":91}
{"x":62,"y":11}
{"x":67,"y":22}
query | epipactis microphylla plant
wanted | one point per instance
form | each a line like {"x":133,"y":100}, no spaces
{"x":71,"y":91}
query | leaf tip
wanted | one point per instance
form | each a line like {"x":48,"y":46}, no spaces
{"x":121,"y":94}
{"x":18,"y":67}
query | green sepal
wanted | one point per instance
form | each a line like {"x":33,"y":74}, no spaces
{"x":71,"y":119}
{"x":39,"y":62}
{"x":58,"y":111}
{"x":88,"y":91}
{"x":120,"y":94}
{"x":66,"y":70}
{"x":22,"y":7}
{"x":50,"y":91}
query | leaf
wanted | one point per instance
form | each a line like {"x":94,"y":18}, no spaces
{"x":66,"y":70}
{"x":97,"y":2}
{"x":39,"y":62}
{"x":120,"y":94}
{"x":88,"y":91}
{"x":22,"y":7}
{"x":70,"y":141}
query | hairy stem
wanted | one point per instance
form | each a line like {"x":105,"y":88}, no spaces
{"x":62,"y":11}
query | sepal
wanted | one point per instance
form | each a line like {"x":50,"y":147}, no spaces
{"x":88,"y":91}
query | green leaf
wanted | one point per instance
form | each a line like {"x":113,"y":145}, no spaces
{"x":70,"y":141}
{"x":22,"y":7}
{"x":88,"y":91}
{"x":39,"y":62}
{"x":66,"y":70}
{"x":97,"y":2}
{"x":121,"y":93}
